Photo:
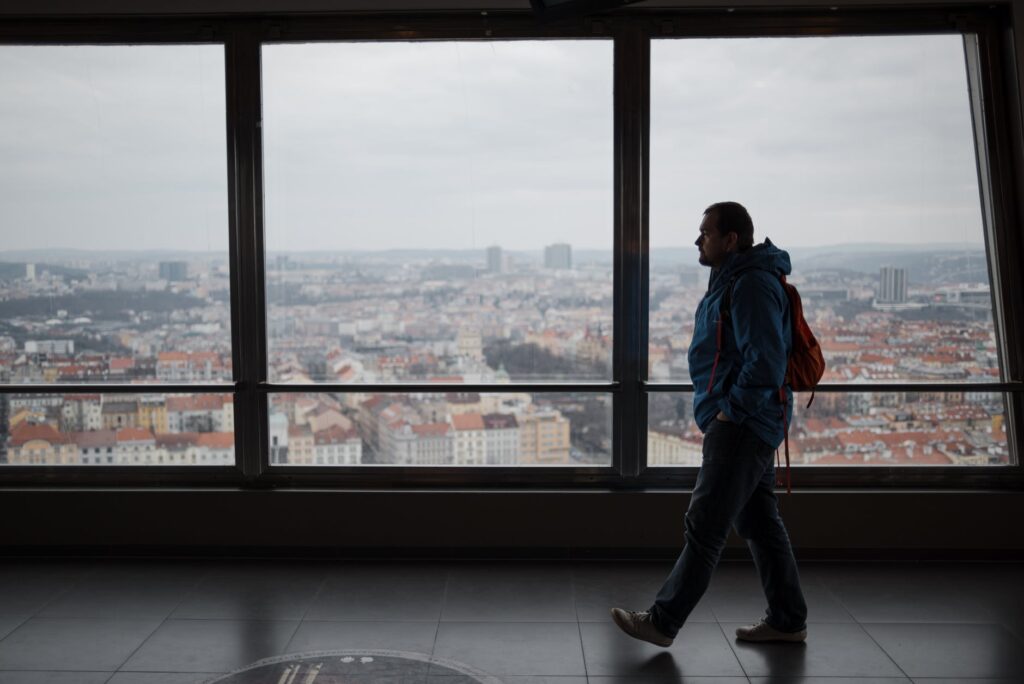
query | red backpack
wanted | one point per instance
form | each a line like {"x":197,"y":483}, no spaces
{"x":805,"y":365}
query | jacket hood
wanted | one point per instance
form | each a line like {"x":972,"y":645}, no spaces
{"x":765,"y":256}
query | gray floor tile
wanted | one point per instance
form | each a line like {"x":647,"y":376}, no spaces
{"x":961,"y":680}
{"x":90,"y":644}
{"x":211,"y":645}
{"x":633,"y":586}
{"x":700,"y":649}
{"x":129,"y":603}
{"x":961,"y":621}
{"x":8,"y":623}
{"x":163,"y":677}
{"x":951,"y":650}
{"x":513,"y":648}
{"x":52,"y":677}
{"x":831,"y":650}
{"x":57,"y":573}
{"x":830,"y":680}
{"x":380,"y":592}
{"x":736,"y":595}
{"x":25,"y":588}
{"x":655,"y":679}
{"x":267,"y":591}
{"x":910,"y":592}
{"x":134,"y":592}
{"x":539,"y":680}
{"x":417,"y":637}
{"x":522,"y":592}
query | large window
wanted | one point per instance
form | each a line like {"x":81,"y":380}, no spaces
{"x":114,"y":266}
{"x":458,"y":251}
{"x":440,"y":212}
{"x":857,"y":156}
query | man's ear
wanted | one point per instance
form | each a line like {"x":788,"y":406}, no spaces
{"x":732,"y":242}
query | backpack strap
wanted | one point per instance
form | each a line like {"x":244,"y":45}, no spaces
{"x":785,"y":421}
{"x":785,"y":428}
{"x":724,"y":314}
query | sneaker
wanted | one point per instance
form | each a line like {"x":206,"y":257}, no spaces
{"x":762,"y":631}
{"x":639,"y":626}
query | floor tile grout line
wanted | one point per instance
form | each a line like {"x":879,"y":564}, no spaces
{"x":302,"y":618}
{"x":444,"y":595}
{"x":47,"y":602}
{"x":579,"y":625}
{"x":838,"y":599}
{"x":440,"y":617}
{"x":732,"y":648}
{"x":162,"y":621}
{"x":79,"y":577}
{"x":860,"y":624}
{"x":16,"y":628}
{"x":887,"y":654}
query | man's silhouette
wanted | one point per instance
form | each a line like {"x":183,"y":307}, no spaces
{"x":736,"y":405}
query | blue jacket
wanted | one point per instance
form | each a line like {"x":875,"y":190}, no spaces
{"x":756,"y":342}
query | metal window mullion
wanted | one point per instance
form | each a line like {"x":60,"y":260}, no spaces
{"x":245,"y":171}
{"x":839,"y":388}
{"x":1000,"y":292}
{"x":116,"y":388}
{"x":632,"y":121}
{"x":437,"y":388}
{"x":995,"y":115}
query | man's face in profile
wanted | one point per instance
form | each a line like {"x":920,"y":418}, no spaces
{"x":712,"y":246}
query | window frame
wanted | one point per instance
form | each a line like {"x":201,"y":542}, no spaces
{"x":997,"y":117}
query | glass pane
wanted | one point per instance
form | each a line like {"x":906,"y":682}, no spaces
{"x":439,"y":211}
{"x":858,"y":428}
{"x":117,"y":429}
{"x":450,"y":429}
{"x":854,"y":154}
{"x":113,"y":212}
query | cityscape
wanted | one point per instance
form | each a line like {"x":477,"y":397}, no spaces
{"x":487,"y":316}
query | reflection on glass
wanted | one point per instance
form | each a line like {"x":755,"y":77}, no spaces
{"x":854,"y":154}
{"x":450,"y":429}
{"x":910,"y":428}
{"x":113,"y":188}
{"x":97,"y":429}
{"x":439,"y":212}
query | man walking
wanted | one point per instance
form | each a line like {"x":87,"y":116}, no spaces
{"x":736,"y":405}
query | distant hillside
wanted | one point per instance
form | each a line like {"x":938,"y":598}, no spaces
{"x":99,"y":305}
{"x":938,"y":264}
{"x":941,"y":263}
{"x":933,"y":267}
{"x":12,"y":270}
{"x":66,"y":254}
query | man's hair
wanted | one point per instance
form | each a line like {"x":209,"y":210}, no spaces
{"x":733,"y":218}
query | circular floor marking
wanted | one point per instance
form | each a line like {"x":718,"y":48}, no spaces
{"x":360,"y":666}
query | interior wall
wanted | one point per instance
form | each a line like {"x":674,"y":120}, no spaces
{"x":216,"y":521}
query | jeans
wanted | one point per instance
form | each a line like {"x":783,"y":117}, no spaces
{"x":735,"y":487}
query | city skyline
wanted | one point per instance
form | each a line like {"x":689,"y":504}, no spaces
{"x":10,"y":255}
{"x":408,"y":317}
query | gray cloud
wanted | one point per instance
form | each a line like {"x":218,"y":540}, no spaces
{"x":441,"y":144}
{"x":113,"y":147}
{"x":827,"y":140}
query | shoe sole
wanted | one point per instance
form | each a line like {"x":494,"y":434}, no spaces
{"x":624,"y":626}
{"x":795,"y":638}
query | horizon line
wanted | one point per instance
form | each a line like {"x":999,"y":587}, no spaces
{"x":321,"y":250}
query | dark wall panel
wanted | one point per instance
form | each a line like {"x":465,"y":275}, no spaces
{"x":339,"y":522}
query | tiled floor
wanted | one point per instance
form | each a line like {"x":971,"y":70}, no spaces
{"x":171,"y":622}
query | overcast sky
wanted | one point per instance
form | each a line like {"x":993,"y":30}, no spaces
{"x":464,"y":145}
